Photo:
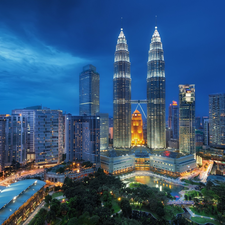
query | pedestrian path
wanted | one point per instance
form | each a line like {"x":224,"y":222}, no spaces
{"x":195,"y":215}
{"x":180,"y":202}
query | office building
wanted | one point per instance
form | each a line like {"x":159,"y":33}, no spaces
{"x":174,"y":119}
{"x":156,"y":125}
{"x":104,"y":131}
{"x":2,"y":144}
{"x":198,"y":124}
{"x":217,"y":120}
{"x":121,"y":95}
{"x":44,"y":136}
{"x":137,"y":137}
{"x":82,"y":138}
{"x":89,"y":91}
{"x":48,"y":136}
{"x":187,"y":119}
{"x":206,"y":132}
{"x":29,"y":114}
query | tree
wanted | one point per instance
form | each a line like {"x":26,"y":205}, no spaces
{"x":73,"y":221}
{"x":40,"y":221}
{"x":50,"y":216}
{"x":64,"y":208}
{"x":48,"y":199}
{"x":126,"y":208}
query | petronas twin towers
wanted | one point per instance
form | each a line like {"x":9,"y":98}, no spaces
{"x":156,"y":129}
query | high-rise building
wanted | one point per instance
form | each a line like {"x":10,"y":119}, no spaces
{"x":82,"y":138}
{"x":2,"y":144}
{"x":89,"y":91}
{"x":44,"y":133}
{"x":16,"y":138}
{"x":137,"y":129}
{"x":174,"y":119}
{"x":48,"y":136}
{"x":187,"y":119}
{"x":217,"y":120}
{"x":203,"y":120}
{"x":104,"y":131}
{"x":122,"y":95}
{"x":29,"y":114}
{"x":206,"y":131}
{"x":156,"y":125}
{"x":198,"y":124}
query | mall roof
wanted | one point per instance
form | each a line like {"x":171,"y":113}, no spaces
{"x":15,"y":195}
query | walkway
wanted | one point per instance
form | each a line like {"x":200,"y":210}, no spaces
{"x":34,"y":213}
{"x":194,"y":215}
{"x":180,"y":202}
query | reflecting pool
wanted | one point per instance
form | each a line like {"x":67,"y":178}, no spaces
{"x":158,"y":183}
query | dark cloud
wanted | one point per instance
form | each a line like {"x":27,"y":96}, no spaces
{"x":45,"y":44}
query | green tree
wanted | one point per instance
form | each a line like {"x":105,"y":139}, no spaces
{"x":48,"y":199}
{"x":50,"y":216}
{"x":126,"y":208}
{"x":40,"y":221}
{"x":73,"y":221}
{"x":64,"y":208}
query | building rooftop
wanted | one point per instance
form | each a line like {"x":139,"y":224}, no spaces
{"x":15,"y":195}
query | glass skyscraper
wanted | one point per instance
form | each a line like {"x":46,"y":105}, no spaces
{"x":187,"y":119}
{"x":89,"y":91}
{"x":82,"y":138}
{"x":156,"y":125}
{"x":174,"y":119}
{"x":217,"y":120}
{"x":121,"y":95}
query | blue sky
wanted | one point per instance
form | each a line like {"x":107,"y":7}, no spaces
{"x":45,"y":44}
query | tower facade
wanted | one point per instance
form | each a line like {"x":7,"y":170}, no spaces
{"x":121,"y":95}
{"x":217,"y":120}
{"x":137,"y":129}
{"x":187,"y":119}
{"x":174,"y":119}
{"x":156,"y":124}
{"x":89,"y":91}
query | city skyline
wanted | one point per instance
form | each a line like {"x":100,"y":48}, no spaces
{"x":43,"y":51}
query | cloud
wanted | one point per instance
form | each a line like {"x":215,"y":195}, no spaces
{"x":36,"y":71}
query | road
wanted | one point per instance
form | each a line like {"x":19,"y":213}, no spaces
{"x":34,"y":213}
{"x":18,"y":175}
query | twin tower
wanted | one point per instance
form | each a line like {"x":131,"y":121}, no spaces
{"x":156,"y":127}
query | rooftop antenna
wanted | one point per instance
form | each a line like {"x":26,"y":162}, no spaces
{"x":121,"y":23}
{"x":156,"y":21}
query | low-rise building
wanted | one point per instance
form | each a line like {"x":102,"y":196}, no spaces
{"x":19,"y":199}
{"x":168,"y":162}
{"x":116,"y":162}
{"x":74,"y":174}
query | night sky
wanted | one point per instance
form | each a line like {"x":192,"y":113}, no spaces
{"x":45,"y":44}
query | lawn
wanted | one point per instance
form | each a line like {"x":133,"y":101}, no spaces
{"x":201,"y":213}
{"x":171,"y":211}
{"x":57,"y":194}
{"x":203,"y":220}
{"x":115,"y":205}
{"x":189,"y":182}
{"x":134,"y":185}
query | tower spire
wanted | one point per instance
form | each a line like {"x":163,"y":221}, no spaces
{"x":156,"y":22}
{"x":121,"y":23}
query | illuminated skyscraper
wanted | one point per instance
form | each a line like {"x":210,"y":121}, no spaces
{"x":137,"y":129}
{"x":121,"y":95}
{"x":156,"y":125}
{"x":174,"y":119}
{"x":89,"y":91}
{"x":187,"y":119}
{"x":217,"y":120}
